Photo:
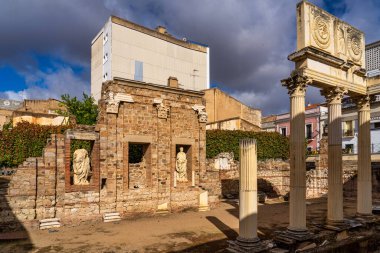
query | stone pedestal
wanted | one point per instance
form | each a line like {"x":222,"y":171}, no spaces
{"x":203,"y":202}
{"x":162,"y":208}
{"x":247,"y":241}
{"x":296,"y":85}
{"x":364,"y":198}
{"x":335,"y":181}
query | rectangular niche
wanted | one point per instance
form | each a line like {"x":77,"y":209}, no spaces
{"x":189,"y":166}
{"x":139,"y":165}
{"x":81,"y":150}
{"x":81,"y":161}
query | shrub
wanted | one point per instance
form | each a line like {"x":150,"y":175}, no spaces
{"x":23,"y":141}
{"x":269,"y":144}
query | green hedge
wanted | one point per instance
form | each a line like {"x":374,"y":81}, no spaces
{"x":269,"y":144}
{"x":23,"y":141}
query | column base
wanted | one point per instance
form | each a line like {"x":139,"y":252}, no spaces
{"x":365,"y":215}
{"x":365,"y":218}
{"x":290,"y":238}
{"x":298,"y":234}
{"x":243,"y":245}
{"x":337,"y":225}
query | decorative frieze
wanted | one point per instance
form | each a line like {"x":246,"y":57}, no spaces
{"x":113,"y":101}
{"x":202,"y":114}
{"x":163,"y":111}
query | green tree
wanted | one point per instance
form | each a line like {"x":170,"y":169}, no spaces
{"x":85,"y":111}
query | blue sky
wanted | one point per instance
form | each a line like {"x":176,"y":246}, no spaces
{"x":45,"y":48}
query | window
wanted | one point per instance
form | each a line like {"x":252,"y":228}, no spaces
{"x":105,"y":38}
{"x":283,"y":131}
{"x":139,"y":70}
{"x":139,"y":166}
{"x":348,"y":128}
{"x":376,"y":125}
{"x":105,"y":58}
{"x":349,"y":148}
{"x":309,"y":131}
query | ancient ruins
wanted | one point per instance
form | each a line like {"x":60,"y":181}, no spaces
{"x":147,"y":154}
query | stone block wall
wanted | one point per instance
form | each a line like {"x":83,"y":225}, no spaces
{"x":137,"y":175}
{"x":162,"y":119}
{"x":274,"y":175}
{"x":38,"y":190}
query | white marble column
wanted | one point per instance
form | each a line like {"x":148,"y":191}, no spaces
{"x":248,"y":192}
{"x":364,"y":197}
{"x":296,"y":85}
{"x":335,"y":180}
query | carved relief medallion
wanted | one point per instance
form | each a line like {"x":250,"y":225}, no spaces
{"x":321,"y":32}
{"x":355,"y":46}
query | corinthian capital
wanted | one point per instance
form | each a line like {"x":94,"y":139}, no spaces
{"x":296,"y":84}
{"x":334,"y":95}
{"x":362,"y":102}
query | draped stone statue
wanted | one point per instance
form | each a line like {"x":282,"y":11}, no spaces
{"x":81,"y":167}
{"x":181,"y":166}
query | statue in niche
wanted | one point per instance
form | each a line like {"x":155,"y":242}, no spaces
{"x":81,"y":167}
{"x":181,"y":166}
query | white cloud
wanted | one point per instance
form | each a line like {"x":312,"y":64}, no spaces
{"x":50,"y":84}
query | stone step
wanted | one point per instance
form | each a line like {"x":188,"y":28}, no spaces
{"x":50,"y":223}
{"x":111,"y":217}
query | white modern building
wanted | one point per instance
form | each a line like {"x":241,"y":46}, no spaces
{"x":372,"y":56}
{"x":127,"y":50}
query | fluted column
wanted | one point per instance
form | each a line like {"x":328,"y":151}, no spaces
{"x":248,"y":192}
{"x":296,"y":85}
{"x":335,"y":181}
{"x":364,"y":198}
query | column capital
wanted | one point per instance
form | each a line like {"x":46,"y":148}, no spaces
{"x":334,"y":95}
{"x":296,"y":84}
{"x":362,"y":102}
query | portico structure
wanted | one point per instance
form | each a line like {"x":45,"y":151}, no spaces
{"x":330,"y":56}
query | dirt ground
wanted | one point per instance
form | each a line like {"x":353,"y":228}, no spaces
{"x":179,"y":232}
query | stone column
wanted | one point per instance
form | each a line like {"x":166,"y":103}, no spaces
{"x":247,"y":241}
{"x":364,"y":197}
{"x":296,"y":85}
{"x":335,"y":181}
{"x":248,"y":191}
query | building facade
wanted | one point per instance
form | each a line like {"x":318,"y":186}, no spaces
{"x":41,"y":112}
{"x":315,"y":121}
{"x":127,"y":50}
{"x":350,"y":127}
{"x":7,"y":107}
{"x":228,"y":113}
{"x":372,"y":54}
{"x":268,"y":123}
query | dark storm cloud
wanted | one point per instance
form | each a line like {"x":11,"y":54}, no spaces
{"x":58,"y":28}
{"x":249,"y":40}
